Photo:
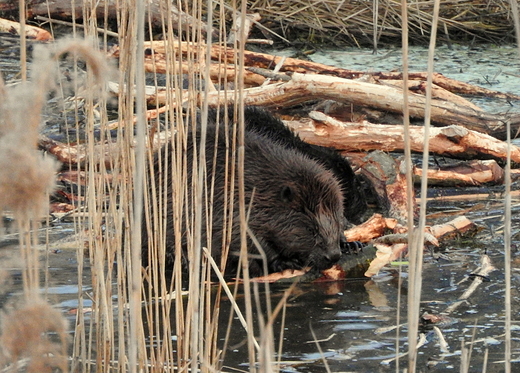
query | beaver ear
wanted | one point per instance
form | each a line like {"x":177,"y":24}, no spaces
{"x":287,"y":194}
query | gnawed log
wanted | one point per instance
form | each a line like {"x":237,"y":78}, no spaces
{"x":387,"y":253}
{"x":438,"y":92}
{"x":107,"y":153}
{"x":31,"y":32}
{"x":218,"y":73}
{"x":304,"y":88}
{"x":457,"y":227}
{"x":388,"y":180}
{"x":453,"y":141}
{"x":78,"y":155}
{"x":475,"y":172}
{"x":374,"y":227}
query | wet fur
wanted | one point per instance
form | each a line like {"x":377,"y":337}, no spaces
{"x":296,"y":210}
{"x":354,"y":202}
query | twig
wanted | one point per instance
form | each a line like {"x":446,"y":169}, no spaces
{"x":70,"y":24}
{"x":228,"y":293}
{"x":485,"y":269}
{"x":422,"y":342}
{"x":269,"y":74}
{"x":443,"y":345}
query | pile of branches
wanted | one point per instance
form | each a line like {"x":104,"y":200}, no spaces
{"x":488,"y":21}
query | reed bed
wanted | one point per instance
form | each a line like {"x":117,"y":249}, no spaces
{"x":359,"y":22}
{"x":139,"y":321}
{"x":34,"y":334}
{"x":157,"y":323}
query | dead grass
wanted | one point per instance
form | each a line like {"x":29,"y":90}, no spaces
{"x":489,"y":21}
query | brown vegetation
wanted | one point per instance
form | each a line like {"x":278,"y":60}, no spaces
{"x":355,"y":20}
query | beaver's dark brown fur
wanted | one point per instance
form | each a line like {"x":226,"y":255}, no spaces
{"x":296,"y":210}
{"x":354,"y":201}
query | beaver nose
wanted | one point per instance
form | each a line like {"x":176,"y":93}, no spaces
{"x":333,"y":257}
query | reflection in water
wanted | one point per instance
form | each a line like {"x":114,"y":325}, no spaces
{"x":352,"y":320}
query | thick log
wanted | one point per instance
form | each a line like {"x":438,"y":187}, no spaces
{"x":218,"y":73}
{"x":472,"y":173}
{"x":438,"y":92}
{"x":107,"y":153}
{"x":453,"y":141}
{"x":303,"y":88}
{"x":77,"y":155}
{"x":370,"y":229}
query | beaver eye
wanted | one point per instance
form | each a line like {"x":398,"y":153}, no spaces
{"x":287,"y":194}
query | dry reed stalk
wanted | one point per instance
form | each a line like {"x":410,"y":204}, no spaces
{"x":416,"y":246}
{"x":354,"y":20}
{"x":25,"y":182}
{"x":408,"y":164}
{"x":102,"y":342}
{"x":507,"y":221}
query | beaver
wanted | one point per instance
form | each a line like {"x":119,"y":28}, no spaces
{"x":295,"y":204}
{"x":354,"y":201}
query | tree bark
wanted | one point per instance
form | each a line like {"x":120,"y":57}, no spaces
{"x":453,"y":141}
{"x":472,"y":173}
{"x":31,"y":32}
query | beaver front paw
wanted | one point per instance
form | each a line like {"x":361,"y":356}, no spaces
{"x":352,"y":247}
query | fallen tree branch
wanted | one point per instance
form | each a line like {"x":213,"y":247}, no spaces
{"x":31,"y":32}
{"x":306,"y":87}
{"x":472,"y":173}
{"x":388,"y":252}
{"x":454,"y":141}
{"x":295,"y":65}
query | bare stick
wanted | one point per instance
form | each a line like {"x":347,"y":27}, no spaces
{"x":485,"y":269}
